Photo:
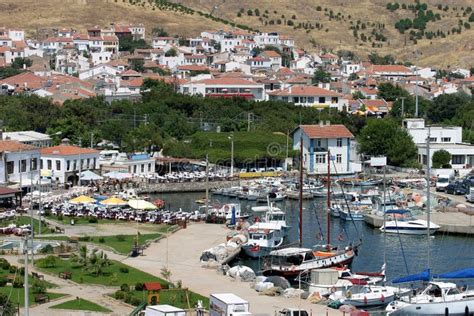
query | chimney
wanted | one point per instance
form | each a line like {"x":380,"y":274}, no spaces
{"x":321,"y":123}
{"x":65,"y":141}
{"x":328,"y":123}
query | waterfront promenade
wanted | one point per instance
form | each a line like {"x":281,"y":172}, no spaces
{"x":181,"y":253}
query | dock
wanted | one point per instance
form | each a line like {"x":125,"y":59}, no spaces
{"x":456,"y":223}
{"x":170,"y":187}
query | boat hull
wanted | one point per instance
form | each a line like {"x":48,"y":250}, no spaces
{"x":255,"y":253}
{"x":456,"y":308}
{"x":352,"y":217}
{"x":369,"y":302}
{"x":408,"y":231}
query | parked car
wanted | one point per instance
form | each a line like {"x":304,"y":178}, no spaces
{"x":458,"y":188}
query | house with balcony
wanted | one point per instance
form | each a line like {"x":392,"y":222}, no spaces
{"x":322,"y":142}
{"x":310,"y":96}
{"x":32,"y":138}
{"x":225,"y":88}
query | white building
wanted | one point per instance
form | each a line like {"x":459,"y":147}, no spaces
{"x":225,"y":88}
{"x":309,"y":96}
{"x":29,"y":138}
{"x":448,"y":138}
{"x":350,"y":68}
{"x":318,"y":141}
{"x":18,"y":163}
{"x":137,"y":164}
{"x":65,"y":162}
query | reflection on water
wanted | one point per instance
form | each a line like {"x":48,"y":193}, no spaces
{"x":447,"y":252}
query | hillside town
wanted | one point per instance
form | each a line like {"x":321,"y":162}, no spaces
{"x":137,"y":198}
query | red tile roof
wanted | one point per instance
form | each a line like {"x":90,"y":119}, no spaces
{"x":271,"y":54}
{"x":193,"y":68}
{"x":8,"y":191}
{"x":152,"y":286}
{"x":14,"y":146}
{"x":228,"y":82}
{"x":389,"y":68}
{"x":299,"y":90}
{"x":326,"y":131}
{"x":67,"y":150}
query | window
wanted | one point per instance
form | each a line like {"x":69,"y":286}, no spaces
{"x":41,"y":163}
{"x":322,"y":100}
{"x":338,"y":158}
{"x":310,"y":99}
{"x":334,"y":100}
{"x":339,"y":142}
{"x":320,"y":158}
{"x":10,"y":167}
{"x":74,"y":165}
{"x":68,"y":165}
{"x":81,"y":164}
{"x":50,"y":164}
{"x":285,"y":99}
{"x":34,"y":164}
{"x":318,"y":143}
{"x":135,"y":169}
{"x":458,"y":159}
{"x":23,"y":165}
{"x":58,"y":165}
{"x":149,"y":167}
{"x":94,"y":161}
{"x":433,"y":139}
{"x":88,"y":163}
{"x":445,"y":139}
{"x":142,"y":168}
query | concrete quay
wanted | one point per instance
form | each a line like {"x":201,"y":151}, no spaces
{"x":170,"y":187}
{"x":456,"y":223}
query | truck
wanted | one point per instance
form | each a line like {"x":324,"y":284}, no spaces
{"x":227,"y":304}
{"x":470,"y":190}
{"x":293,"y":312}
{"x":164,"y":310}
{"x":444,"y":177}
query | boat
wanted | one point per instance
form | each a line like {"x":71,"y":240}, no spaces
{"x":403,"y":222}
{"x":438,"y":298}
{"x":335,"y":210}
{"x":353,"y":215}
{"x":272,"y":197}
{"x":227,"y":212}
{"x":365,"y":296}
{"x":263,"y":238}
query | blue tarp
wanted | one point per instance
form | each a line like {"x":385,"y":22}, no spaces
{"x":459,"y":274}
{"x":423,"y":276}
{"x":233,"y":219}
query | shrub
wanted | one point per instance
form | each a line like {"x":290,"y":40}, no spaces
{"x":4,"y":264}
{"x":48,"y":262}
{"x":93,"y":220}
{"x":120,"y":237}
{"x":135,"y":301}
{"x":124,"y":287}
{"x":18,"y":282}
{"x":85,"y":238}
{"x":3,"y":282}
{"x":101,"y":240}
{"x":128,"y":298}
{"x":119,"y":295}
{"x":440,"y":158}
{"x":123,"y":269}
{"x":139,"y":286}
{"x":39,"y":287}
{"x":47,"y":249}
{"x":12,"y":269}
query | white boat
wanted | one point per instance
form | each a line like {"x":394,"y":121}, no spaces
{"x":403,"y":222}
{"x":355,"y":215}
{"x":438,"y":298}
{"x":225,"y":211}
{"x":335,"y":209}
{"x":263,"y":238}
{"x":366,"y":296}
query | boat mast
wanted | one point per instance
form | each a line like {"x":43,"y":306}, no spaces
{"x":428,"y":193}
{"x":329,"y":202}
{"x":301,"y":188}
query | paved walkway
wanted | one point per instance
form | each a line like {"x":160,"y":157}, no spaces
{"x":94,"y":293}
{"x":181,"y":253}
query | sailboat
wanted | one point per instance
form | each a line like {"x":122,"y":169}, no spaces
{"x":291,"y":262}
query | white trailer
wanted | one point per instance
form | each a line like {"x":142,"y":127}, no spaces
{"x":227,"y":304}
{"x":164,"y":310}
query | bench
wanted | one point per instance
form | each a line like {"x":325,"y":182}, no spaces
{"x":41,"y":298}
{"x":73,"y":240}
{"x":65,"y":275}
{"x":37,"y":276}
{"x":59,"y":229}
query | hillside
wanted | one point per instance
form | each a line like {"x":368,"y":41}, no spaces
{"x":316,"y":25}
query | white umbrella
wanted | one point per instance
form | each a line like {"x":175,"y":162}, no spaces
{"x":142,"y":205}
{"x":90,"y":176}
{"x":118,"y":175}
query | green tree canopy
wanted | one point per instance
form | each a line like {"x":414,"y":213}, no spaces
{"x":321,"y":76}
{"x":441,"y":159}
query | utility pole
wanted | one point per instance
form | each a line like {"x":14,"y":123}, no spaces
{"x":80,"y":160}
{"x":416,"y":86}
{"x":403,"y":108}
{"x":207,"y":183}
{"x":25,"y":284}
{"x":231,"y":137}
{"x":428,"y":192}
{"x":301,"y":188}
{"x":287,"y":144}
{"x":92,"y":140}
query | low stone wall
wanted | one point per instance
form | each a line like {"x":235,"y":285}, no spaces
{"x":186,"y":186}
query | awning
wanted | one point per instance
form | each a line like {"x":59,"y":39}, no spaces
{"x":141,"y":205}
{"x":113,"y":201}
{"x":90,"y":176}
{"x":82,"y":200}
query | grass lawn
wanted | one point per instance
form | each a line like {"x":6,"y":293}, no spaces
{"x":81,"y":305}
{"x":121,"y":243}
{"x":111,"y":277}
{"x":176,"y":297}
{"x":25,"y":220}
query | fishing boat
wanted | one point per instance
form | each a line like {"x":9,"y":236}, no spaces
{"x":272,"y":197}
{"x":352,"y":215}
{"x":263,"y":238}
{"x":403,"y":222}
{"x":228,"y":211}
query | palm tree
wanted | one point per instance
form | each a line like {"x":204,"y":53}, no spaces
{"x":80,"y":258}
{"x":97,"y":261}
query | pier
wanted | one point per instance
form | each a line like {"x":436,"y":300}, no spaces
{"x":172,"y":187}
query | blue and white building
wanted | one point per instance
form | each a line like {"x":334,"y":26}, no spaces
{"x":320,"y":139}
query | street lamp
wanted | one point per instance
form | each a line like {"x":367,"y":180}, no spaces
{"x":231,"y":138}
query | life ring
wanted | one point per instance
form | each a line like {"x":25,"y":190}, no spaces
{"x":333,"y":289}
{"x":349,"y":294}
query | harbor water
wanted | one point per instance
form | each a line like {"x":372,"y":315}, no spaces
{"x":405,"y":254}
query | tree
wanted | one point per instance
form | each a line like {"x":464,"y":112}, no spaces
{"x":127,"y":43}
{"x":159,"y":31}
{"x":390,"y":92}
{"x":384,"y":137}
{"x":441,"y":159}
{"x":353,"y":76}
{"x":137,"y":65}
{"x":249,"y":12}
{"x":444,"y":107}
{"x":20,"y":63}
{"x":8,"y":308}
{"x":172,"y":52}
{"x":80,"y":258}
{"x":376,"y":59}
{"x":358,"y":95}
{"x":321,"y":76}
{"x":96,"y":262}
